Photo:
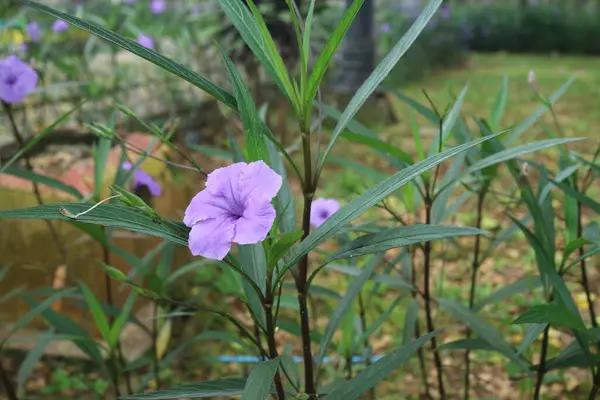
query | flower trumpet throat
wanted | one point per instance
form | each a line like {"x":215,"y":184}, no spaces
{"x":235,"y":207}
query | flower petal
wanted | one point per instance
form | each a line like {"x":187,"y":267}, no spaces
{"x":208,"y":205}
{"x":211,"y":238}
{"x":321,"y":210}
{"x":258,"y":182}
{"x":255,"y":224}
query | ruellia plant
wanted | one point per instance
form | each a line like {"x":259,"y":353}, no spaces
{"x":386,"y":237}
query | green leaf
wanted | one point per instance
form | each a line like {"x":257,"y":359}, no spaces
{"x":341,"y":309}
{"x":573,"y":246}
{"x":285,"y":199}
{"x":467,"y":344}
{"x":282,"y":245}
{"x":212,"y":151}
{"x":48,"y":130}
{"x":449,"y":121}
{"x":37,"y":308}
{"x":401,"y":236}
{"x":364,"y":336}
{"x":390,"y":280}
{"x":218,"y":387}
{"x":415,"y":129}
{"x":371,"y":197}
{"x":553,"y":314}
{"x":100,"y":158}
{"x":499,"y":105}
{"x":260,"y":381}
{"x":570,"y":357}
{"x":415,"y":105}
{"x":254,"y":32}
{"x":326,"y":55}
{"x":115,"y":330}
{"x":577,"y":195}
{"x":514,"y":152}
{"x":307,"y":32}
{"x":521,"y":128}
{"x":410,"y":321}
{"x":96,"y":309}
{"x":254,"y":264}
{"x":377,"y":372}
{"x":484,"y":330}
{"x":112,"y":215}
{"x":255,"y":141}
{"x":44,"y":180}
{"x":532,"y":332}
{"x":132,"y":46}
{"x":378,"y":145}
{"x":507,"y":291}
{"x":33,"y":357}
{"x":378,"y":75}
{"x":293,"y":328}
{"x":64,"y":324}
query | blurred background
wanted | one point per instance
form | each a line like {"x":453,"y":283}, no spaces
{"x":476,"y":41}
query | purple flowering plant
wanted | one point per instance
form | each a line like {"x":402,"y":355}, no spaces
{"x":264,"y":218}
{"x":17,"y":80}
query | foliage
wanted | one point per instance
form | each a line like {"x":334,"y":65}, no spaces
{"x":536,"y":28}
{"x":386,"y":240}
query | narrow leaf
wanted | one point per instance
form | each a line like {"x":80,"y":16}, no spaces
{"x":377,"y":372}
{"x":401,"y":236}
{"x":44,"y":180}
{"x":132,"y":46}
{"x":553,"y":314}
{"x":379,"y":74}
{"x":341,"y":309}
{"x":373,"y":196}
{"x":260,"y":380}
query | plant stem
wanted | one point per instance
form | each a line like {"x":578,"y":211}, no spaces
{"x":301,"y":276}
{"x":10,"y":389}
{"x":588,"y":293}
{"x":155,"y":346}
{"x":427,"y":298}
{"x":36,"y":189}
{"x":272,"y":345}
{"x":474,"y":269}
{"x":542,"y":366}
{"x":109,"y":301}
{"x":367,"y":354}
{"x":420,"y":351}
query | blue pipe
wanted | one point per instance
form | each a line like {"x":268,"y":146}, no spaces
{"x":298,"y":359}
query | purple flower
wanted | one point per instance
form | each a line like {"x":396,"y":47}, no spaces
{"x":196,"y":10}
{"x":17,"y":79}
{"x":141,"y":179}
{"x":445,"y":11}
{"x":158,"y":6}
{"x":385,"y":27}
{"x":34,"y":31}
{"x":60,"y":26}
{"x":322,"y":209}
{"x":145,"y":41}
{"x":235,"y":207}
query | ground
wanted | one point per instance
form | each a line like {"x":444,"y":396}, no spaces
{"x":578,"y":112}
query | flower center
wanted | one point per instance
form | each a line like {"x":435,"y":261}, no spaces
{"x":11,"y":79}
{"x":323,"y":214}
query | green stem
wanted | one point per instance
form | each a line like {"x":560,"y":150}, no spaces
{"x":474,"y":269}
{"x":10,"y":389}
{"x":542,"y":366}
{"x":427,"y":299}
